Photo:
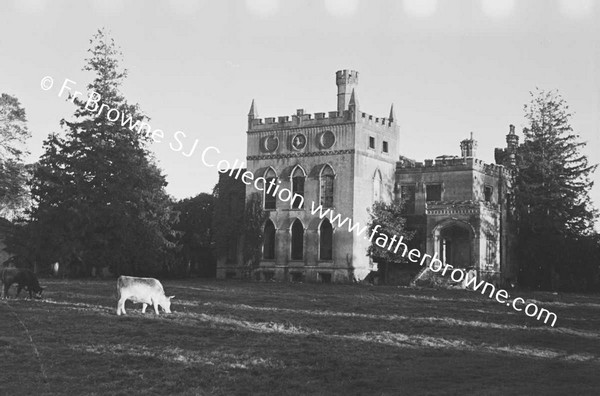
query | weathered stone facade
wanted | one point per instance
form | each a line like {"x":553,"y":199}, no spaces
{"x":461,"y":206}
{"x":346,"y":160}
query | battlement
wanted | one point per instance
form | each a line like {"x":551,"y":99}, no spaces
{"x":343,"y":77}
{"x":300,"y":119}
{"x":449,"y":163}
{"x":368,"y":118}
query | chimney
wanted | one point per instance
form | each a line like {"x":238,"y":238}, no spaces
{"x":512,"y":143}
{"x":468,"y":147}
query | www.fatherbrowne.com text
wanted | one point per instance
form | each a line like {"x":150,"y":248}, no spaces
{"x":458,"y":275}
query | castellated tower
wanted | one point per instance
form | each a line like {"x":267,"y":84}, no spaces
{"x":341,"y":160}
{"x":346,"y":81}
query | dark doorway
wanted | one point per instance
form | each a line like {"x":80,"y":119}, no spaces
{"x":269,"y":244}
{"x":297,"y":240}
{"x":325,"y":241}
{"x":455,"y":246}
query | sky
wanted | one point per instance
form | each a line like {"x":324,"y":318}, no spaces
{"x":449,"y":67}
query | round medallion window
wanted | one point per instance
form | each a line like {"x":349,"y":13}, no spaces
{"x":299,"y":142}
{"x":327,"y":139}
{"x":270,"y":143}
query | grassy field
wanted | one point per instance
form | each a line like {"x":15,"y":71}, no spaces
{"x":275,"y":338}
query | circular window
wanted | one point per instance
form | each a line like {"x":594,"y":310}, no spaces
{"x":270,"y":143}
{"x":299,"y":142}
{"x":327,"y":139}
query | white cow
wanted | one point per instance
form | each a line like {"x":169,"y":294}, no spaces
{"x":147,"y":291}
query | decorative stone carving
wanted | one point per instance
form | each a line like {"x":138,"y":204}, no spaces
{"x":299,"y":154}
{"x":270,"y":144}
{"x":298,"y":142}
{"x":326,"y":139}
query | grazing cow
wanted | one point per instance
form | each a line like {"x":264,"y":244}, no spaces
{"x":24,"y":278}
{"x":147,"y":291}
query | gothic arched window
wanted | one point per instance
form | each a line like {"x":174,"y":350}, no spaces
{"x":298,"y":177}
{"x":270,"y":198}
{"x":297,"y":240}
{"x":325,"y":240}
{"x":269,"y":241}
{"x":326,"y":180}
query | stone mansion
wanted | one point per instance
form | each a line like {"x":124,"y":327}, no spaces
{"x":346,"y":160}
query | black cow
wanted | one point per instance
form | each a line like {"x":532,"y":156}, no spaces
{"x":24,"y":278}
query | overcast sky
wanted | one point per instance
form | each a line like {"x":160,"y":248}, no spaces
{"x":449,"y":67}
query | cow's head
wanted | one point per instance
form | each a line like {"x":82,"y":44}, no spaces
{"x":36,"y":291}
{"x":38,"y":294}
{"x":166,"y":304}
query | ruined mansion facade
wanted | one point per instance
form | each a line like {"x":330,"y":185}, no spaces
{"x":347,"y":159}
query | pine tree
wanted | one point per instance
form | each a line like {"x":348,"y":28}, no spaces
{"x":552,"y":193}
{"x":100,"y":198}
{"x":13,"y":173}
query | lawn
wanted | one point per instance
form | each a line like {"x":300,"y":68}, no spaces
{"x":233,"y":337}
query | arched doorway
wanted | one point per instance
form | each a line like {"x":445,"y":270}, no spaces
{"x":297,"y":251}
{"x":454,"y":244}
{"x":325,"y":240}
{"x":269,"y":241}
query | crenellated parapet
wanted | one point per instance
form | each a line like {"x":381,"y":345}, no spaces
{"x":300,"y":119}
{"x":448,"y":163}
{"x":370,"y":119}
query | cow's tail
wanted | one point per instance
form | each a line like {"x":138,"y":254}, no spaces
{"x":119,"y":287}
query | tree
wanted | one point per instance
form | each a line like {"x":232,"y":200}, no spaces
{"x":195,"y":233}
{"x":228,"y":220}
{"x":100,"y":199}
{"x":254,"y":223}
{"x":13,"y":172}
{"x":391,"y":221}
{"x":552,"y":195}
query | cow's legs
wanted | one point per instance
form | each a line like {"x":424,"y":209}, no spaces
{"x":121,"y":306}
{"x":19,"y":287}
{"x":5,"y":291}
{"x":155,"y":303}
{"x":144,"y":306}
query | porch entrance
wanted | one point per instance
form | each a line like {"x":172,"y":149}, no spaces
{"x":455,"y":246}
